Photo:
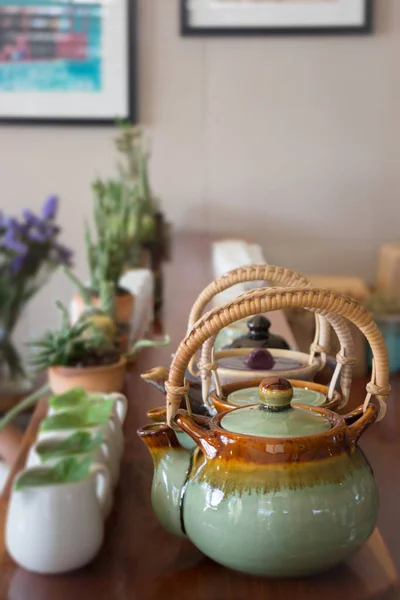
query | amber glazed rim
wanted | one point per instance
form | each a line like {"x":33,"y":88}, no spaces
{"x":339,"y":439}
{"x":234,"y":386}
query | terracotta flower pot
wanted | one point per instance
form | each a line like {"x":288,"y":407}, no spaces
{"x":103,"y":379}
{"x":124,"y":306}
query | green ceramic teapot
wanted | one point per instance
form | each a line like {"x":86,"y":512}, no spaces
{"x":271,"y":489}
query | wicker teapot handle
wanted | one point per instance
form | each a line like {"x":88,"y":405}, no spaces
{"x":282,"y":277}
{"x":269,"y":299}
{"x":345,"y":359}
{"x":278,"y":276}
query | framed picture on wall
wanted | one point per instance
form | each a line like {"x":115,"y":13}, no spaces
{"x":67,"y":61}
{"x":258,"y":17}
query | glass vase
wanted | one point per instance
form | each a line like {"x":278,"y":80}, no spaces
{"x":14,"y":381}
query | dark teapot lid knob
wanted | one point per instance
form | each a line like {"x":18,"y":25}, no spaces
{"x":259,"y":326}
{"x":275,"y":393}
{"x":259,"y":359}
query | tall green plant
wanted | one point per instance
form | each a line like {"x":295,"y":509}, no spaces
{"x":108,"y":246}
{"x":106,"y":294}
{"x":134,"y":171}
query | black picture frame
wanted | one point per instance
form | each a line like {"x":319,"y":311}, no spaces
{"x":188,"y":30}
{"x":132,"y":88}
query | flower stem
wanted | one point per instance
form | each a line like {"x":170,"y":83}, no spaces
{"x":24,"y":404}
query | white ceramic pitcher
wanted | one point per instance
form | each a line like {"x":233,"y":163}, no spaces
{"x":55,"y":528}
{"x":100,"y":456}
{"x":108,"y":436}
{"x":119,"y":410}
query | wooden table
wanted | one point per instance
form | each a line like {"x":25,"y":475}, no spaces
{"x":139,"y":561}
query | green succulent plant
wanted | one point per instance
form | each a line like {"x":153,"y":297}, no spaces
{"x":69,"y":344}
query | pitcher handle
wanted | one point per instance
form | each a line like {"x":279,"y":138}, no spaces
{"x":121,"y":405}
{"x":103,"y":485}
{"x":105,"y":449}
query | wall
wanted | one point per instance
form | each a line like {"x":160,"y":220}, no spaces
{"x":290,"y":141}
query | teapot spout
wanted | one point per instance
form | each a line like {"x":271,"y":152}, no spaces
{"x":159,"y":439}
{"x":171,"y":467}
{"x":157,"y":377}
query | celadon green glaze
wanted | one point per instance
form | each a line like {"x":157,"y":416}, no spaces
{"x":261,"y":421}
{"x":284,"y":501}
{"x":169,"y":478}
{"x":185,"y":440}
{"x":171,"y":466}
{"x":248,"y":396}
{"x":275,"y":416}
{"x":281,"y":532}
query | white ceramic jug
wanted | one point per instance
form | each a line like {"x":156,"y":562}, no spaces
{"x":119,"y":410}
{"x":100,"y":456}
{"x":55,"y":528}
{"x":109,"y":437}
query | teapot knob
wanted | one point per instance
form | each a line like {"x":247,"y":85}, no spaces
{"x":259,"y":358}
{"x":275,"y":393}
{"x":259,"y":327}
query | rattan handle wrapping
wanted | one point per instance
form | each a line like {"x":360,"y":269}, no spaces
{"x":269,"y":299}
{"x":282,"y":277}
{"x":278,"y":276}
{"x":344,"y":359}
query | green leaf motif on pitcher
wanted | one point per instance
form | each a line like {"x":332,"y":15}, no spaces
{"x":68,"y":470}
{"x":91,"y":415}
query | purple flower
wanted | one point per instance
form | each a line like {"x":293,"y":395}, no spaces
{"x":52,"y":230}
{"x":16,"y":264}
{"x":31,"y":218}
{"x":36,"y":235}
{"x":49,"y":208}
{"x":12,"y":224}
{"x":62,"y":255}
{"x":12,"y":243}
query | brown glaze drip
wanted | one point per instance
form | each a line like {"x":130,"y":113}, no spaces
{"x":159,"y":439}
{"x":234,"y":477}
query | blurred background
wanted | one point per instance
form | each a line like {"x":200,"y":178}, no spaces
{"x":289,"y":141}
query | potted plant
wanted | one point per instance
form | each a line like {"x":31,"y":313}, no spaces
{"x":152,"y":231}
{"x":107,"y":250}
{"x":84,"y":354}
{"x":29,"y":253}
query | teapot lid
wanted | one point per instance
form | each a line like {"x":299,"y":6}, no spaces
{"x":259,"y":326}
{"x":275,"y":416}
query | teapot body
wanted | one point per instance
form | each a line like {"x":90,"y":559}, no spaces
{"x":171,"y":461}
{"x":289,"y":521}
{"x":279,"y":506}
